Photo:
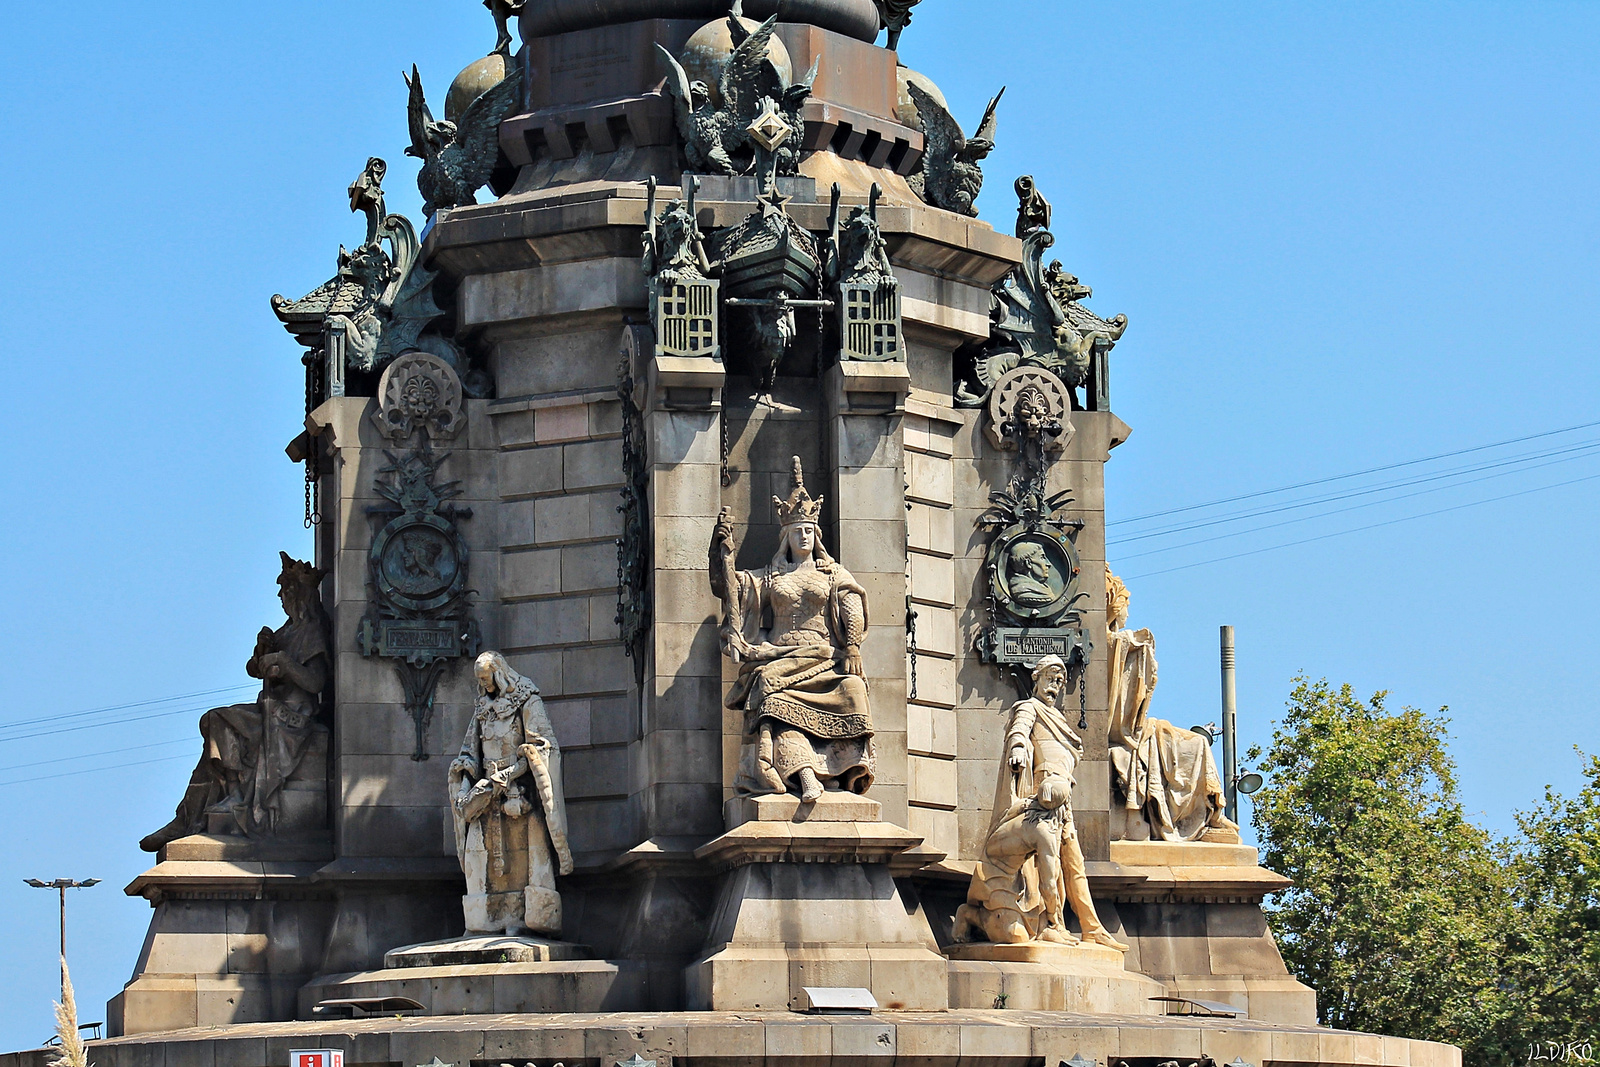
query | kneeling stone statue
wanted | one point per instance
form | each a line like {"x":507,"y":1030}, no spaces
{"x":1031,"y":864}
{"x":510,"y":815}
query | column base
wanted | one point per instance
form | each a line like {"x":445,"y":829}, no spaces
{"x":808,"y":900}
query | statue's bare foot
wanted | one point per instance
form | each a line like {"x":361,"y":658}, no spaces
{"x":1103,"y":937}
{"x":810,"y":788}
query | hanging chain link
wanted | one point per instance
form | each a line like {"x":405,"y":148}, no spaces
{"x":911,"y":640}
{"x":722,"y":416}
{"x":1083,"y":695}
{"x":633,"y":606}
{"x":313,"y":514}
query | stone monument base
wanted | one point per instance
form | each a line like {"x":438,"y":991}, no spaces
{"x":1045,"y":977}
{"x":482,"y":973}
{"x":808,"y":900}
{"x":483,"y":948}
{"x":570,"y":985}
{"x":953,"y":1038}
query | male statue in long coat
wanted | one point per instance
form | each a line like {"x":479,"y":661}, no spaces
{"x":510,"y":815}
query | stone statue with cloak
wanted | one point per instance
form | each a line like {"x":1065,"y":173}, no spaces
{"x":510,"y":814}
{"x":251,"y":750}
{"x":800,"y":682}
{"x":1166,"y":776}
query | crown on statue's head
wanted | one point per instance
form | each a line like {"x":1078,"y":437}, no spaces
{"x":799,"y":507}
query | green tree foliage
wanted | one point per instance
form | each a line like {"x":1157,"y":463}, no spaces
{"x":1399,"y":902}
{"x":1550,"y":987}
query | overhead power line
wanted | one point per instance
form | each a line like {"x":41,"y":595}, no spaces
{"x":1524,"y":461}
{"x":1340,"y":511}
{"x":96,"y":755}
{"x":16,"y":723}
{"x":1359,"y":529}
{"x":91,"y":770}
{"x":98,"y":725}
{"x":1352,"y":474}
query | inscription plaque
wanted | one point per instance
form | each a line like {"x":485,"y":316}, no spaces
{"x":1022,"y":645}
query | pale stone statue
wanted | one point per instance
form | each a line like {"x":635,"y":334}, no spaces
{"x":1032,"y":864}
{"x":1166,"y":776}
{"x":800,"y":682}
{"x":252,"y":749}
{"x":510,"y":815}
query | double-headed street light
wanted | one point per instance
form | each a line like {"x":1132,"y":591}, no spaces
{"x":62,"y":885}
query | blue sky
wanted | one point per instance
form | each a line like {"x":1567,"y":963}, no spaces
{"x":1345,"y":235}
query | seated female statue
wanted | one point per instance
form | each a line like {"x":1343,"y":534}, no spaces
{"x":800,"y":681}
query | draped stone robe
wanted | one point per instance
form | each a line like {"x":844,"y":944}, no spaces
{"x":801,"y":708}
{"x":1167,"y":777}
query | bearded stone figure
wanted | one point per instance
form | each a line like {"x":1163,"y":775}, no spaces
{"x":800,"y":681}
{"x":510,"y":814}
{"x":1032,"y":865}
{"x":251,"y":750}
{"x":1167,"y":777}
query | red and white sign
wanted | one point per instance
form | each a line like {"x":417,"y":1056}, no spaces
{"x":316,"y":1057}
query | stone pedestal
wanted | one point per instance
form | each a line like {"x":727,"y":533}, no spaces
{"x":808,"y":899}
{"x":481,"y":974}
{"x":488,"y":948}
{"x":1192,"y":910}
{"x":1038,"y":976}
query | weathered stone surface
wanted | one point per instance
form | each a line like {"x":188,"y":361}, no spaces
{"x":770,"y":1038}
{"x":495,"y":948}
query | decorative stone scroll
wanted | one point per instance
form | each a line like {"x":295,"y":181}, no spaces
{"x":1039,"y":319}
{"x":419,"y":391}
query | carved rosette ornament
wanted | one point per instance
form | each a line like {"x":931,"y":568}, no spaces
{"x":419,"y":391}
{"x":1046,"y":394}
{"x":419,"y":608}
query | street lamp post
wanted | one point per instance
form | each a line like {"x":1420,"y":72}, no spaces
{"x":61,"y":885}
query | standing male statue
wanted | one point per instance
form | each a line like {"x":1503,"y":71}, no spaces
{"x":510,"y":815}
{"x":1012,"y":900}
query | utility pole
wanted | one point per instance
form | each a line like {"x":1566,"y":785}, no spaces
{"x":62,"y":885}
{"x":1230,"y":753}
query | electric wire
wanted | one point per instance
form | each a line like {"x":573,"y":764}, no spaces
{"x":1359,"y":529}
{"x":98,"y":725}
{"x":1338,"y":511}
{"x":1352,"y":474}
{"x":1578,"y":451}
{"x":122,"y":707}
{"x":91,"y":770}
{"x":92,"y":755}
